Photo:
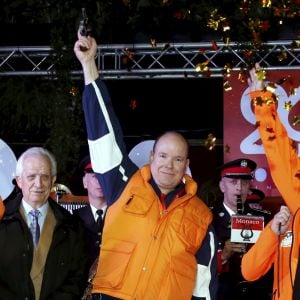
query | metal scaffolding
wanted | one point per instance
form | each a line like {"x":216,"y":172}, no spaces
{"x":138,"y":61}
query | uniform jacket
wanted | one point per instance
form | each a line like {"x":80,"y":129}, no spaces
{"x":136,"y":225}
{"x":283,"y":162}
{"x":231,"y":281}
{"x":65,"y":268}
{"x":92,"y":235}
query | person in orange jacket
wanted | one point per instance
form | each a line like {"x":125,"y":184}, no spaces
{"x":284,"y":165}
{"x":158,"y":241}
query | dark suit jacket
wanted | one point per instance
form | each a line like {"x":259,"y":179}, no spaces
{"x":65,"y":268}
{"x":92,"y":236}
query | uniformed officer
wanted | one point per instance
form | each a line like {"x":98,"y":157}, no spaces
{"x":235,"y":183}
{"x":93,"y":214}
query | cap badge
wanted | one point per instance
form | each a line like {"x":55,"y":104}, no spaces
{"x":244,"y":163}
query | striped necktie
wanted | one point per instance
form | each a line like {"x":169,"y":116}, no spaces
{"x":34,"y":226}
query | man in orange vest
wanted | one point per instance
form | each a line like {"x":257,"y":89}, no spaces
{"x":155,"y":227}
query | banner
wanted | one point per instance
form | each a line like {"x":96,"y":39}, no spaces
{"x":241,"y":137}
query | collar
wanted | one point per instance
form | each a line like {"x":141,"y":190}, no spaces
{"x":43,"y":210}
{"x":94,"y":209}
{"x":27,"y":208}
{"x":179,"y":191}
{"x":229,"y":210}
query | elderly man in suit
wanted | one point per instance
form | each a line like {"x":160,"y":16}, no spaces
{"x":42,"y":250}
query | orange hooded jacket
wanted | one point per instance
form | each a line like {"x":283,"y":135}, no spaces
{"x":284,"y":166}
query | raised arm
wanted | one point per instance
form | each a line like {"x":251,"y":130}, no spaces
{"x":85,"y":49}
{"x":281,"y":154}
{"x":107,"y":148}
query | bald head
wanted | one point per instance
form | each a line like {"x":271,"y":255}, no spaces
{"x":169,"y":160}
{"x":174,"y":137}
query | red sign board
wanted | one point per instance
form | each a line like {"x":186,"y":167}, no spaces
{"x":246,"y":229}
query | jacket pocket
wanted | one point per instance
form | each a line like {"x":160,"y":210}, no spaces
{"x":113,"y":263}
{"x":138,"y":205}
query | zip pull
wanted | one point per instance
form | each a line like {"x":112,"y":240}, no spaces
{"x":129,"y":200}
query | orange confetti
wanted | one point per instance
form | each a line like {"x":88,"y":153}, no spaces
{"x":133,"y":104}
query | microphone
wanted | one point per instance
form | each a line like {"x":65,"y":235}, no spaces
{"x":239,"y":205}
{"x":279,"y":228}
{"x":278,"y":258}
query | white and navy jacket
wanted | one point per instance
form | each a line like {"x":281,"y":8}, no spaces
{"x":113,"y":167}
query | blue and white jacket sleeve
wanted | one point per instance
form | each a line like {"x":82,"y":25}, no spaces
{"x":107,"y":148}
{"x":206,"y":286}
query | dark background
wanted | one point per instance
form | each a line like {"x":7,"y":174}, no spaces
{"x":193,"y":107}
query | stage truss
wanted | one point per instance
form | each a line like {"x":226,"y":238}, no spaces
{"x":145,"y":61}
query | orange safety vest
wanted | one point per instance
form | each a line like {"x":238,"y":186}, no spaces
{"x":147,"y":252}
